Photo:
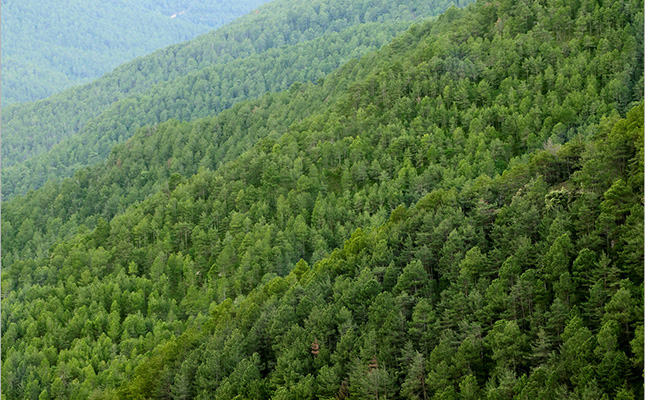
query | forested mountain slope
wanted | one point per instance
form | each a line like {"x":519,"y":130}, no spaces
{"x":49,"y":45}
{"x":242,"y":60}
{"x":481,"y":178}
{"x":522,"y":286}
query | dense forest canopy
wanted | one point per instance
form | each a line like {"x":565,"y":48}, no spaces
{"x":458,"y":215}
{"x":284,"y":42}
{"x":49,"y":46}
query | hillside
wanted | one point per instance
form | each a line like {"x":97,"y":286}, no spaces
{"x":49,"y":46}
{"x":53,"y":138}
{"x":461,"y":218}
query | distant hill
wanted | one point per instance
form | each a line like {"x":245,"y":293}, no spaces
{"x":49,"y":45}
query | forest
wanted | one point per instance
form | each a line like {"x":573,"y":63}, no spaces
{"x":49,"y":46}
{"x":457,"y":214}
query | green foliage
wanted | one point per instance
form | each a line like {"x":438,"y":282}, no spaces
{"x":403,"y":240}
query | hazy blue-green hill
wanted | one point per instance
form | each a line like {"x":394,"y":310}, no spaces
{"x":49,"y":46}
